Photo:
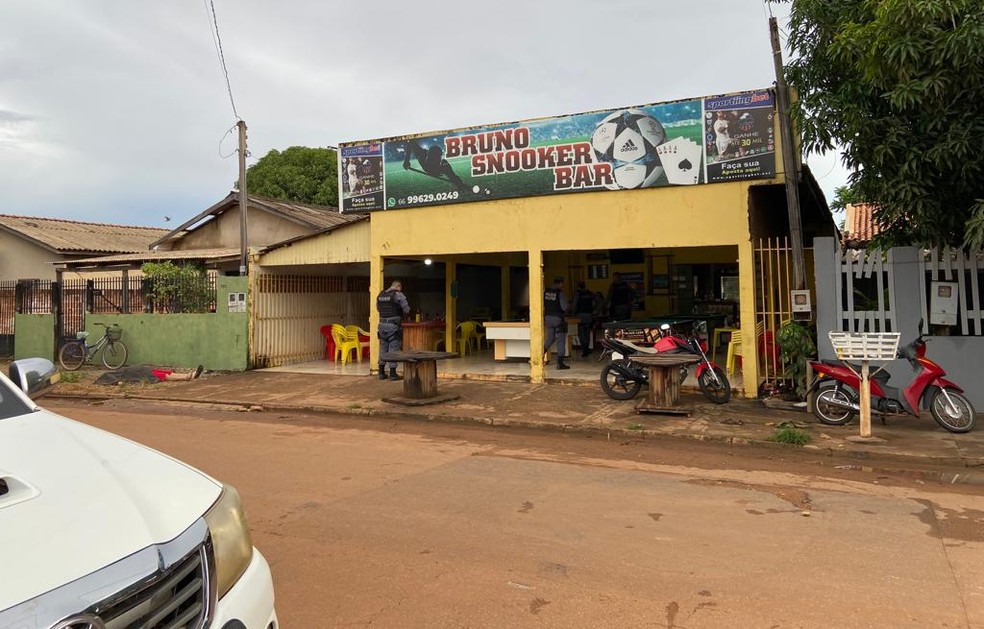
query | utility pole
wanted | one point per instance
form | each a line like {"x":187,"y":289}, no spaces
{"x":243,"y":242}
{"x":789,"y":163}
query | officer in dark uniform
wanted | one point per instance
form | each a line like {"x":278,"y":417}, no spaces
{"x":392,"y":306}
{"x":555,"y":327}
{"x":620,"y":299}
{"x":584,"y":307}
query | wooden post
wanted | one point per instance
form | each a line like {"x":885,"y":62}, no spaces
{"x":664,"y":386}
{"x":420,"y":379}
{"x":865,"y":400}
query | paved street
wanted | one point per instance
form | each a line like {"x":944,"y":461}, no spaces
{"x":395,"y":523}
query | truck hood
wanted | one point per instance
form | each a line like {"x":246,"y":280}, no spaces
{"x":79,"y":498}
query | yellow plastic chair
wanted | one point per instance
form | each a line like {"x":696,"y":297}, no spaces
{"x":734,"y":352}
{"x":438,"y":339}
{"x":734,"y":347}
{"x":479,"y":336}
{"x":357,"y":333}
{"x":345,"y":344}
{"x":466,"y":334}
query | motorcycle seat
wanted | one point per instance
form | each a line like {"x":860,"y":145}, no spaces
{"x":642,"y":349}
{"x":876,"y":374}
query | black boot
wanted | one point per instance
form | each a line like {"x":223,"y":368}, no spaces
{"x":382,"y":372}
{"x":561,"y":364}
{"x":393,"y":375}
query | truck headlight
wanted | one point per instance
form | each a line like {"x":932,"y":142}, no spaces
{"x":231,"y":542}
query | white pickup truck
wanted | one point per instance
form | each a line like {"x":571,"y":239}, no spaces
{"x":99,"y":532}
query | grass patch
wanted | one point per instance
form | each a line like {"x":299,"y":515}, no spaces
{"x":70,"y":377}
{"x":636,"y":427}
{"x":792,"y":436}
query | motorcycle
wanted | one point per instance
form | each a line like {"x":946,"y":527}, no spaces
{"x":622,"y":378}
{"x":834,"y":399}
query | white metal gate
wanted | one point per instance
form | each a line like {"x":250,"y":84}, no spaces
{"x":288,"y":312}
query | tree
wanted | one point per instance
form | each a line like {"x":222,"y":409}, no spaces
{"x":897,"y":85}
{"x":300,"y":173}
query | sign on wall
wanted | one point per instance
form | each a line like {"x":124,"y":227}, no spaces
{"x":688,"y":142}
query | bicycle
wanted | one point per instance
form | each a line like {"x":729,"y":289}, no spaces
{"x":74,"y":354}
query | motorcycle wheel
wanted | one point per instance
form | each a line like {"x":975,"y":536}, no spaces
{"x":826,"y":411}
{"x":617,"y":386}
{"x":718,"y":392}
{"x":955,"y":414}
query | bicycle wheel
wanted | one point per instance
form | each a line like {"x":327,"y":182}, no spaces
{"x":114,"y":355}
{"x":72,"y":355}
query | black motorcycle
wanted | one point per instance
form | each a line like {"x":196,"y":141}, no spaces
{"x":622,"y":378}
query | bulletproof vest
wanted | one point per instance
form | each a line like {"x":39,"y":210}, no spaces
{"x":551,"y":303}
{"x":387,"y":306}
{"x":585,"y":301}
{"x":620,"y":294}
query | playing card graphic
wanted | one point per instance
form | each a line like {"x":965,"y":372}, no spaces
{"x":681,"y":159}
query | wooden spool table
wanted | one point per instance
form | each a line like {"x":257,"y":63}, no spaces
{"x":664,"y":383}
{"x":421,"y":335}
{"x":419,"y":377}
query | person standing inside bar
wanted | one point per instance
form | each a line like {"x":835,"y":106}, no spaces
{"x":392,"y":307}
{"x":555,"y":327}
{"x":619,"y":299}
{"x":584,"y":307}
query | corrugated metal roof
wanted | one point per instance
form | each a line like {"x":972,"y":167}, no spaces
{"x":150,"y":256}
{"x":317,"y":217}
{"x":66,"y":236}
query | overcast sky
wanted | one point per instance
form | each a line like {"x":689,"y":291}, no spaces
{"x":114,"y":111}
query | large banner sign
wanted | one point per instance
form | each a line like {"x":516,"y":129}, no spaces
{"x":706,"y":140}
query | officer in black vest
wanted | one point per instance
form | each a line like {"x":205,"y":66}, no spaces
{"x":555,"y":327}
{"x":584,"y":307}
{"x":392,"y":306}
{"x":620,"y":299}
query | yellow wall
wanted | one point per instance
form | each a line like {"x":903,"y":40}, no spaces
{"x":677,"y":218}
{"x":349,"y":243}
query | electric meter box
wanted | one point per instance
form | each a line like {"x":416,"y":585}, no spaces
{"x":943,"y":303}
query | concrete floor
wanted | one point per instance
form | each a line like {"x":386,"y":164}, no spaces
{"x":479,"y":366}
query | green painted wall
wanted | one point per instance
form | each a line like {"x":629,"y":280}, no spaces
{"x":34,"y":335}
{"x":216,"y":340}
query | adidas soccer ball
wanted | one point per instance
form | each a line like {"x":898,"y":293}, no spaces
{"x":628,"y":139}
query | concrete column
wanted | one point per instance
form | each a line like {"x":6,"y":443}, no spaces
{"x":827,"y":300}
{"x":375,"y":287}
{"x":537,"y":372}
{"x":450,"y":304}
{"x":749,"y":342}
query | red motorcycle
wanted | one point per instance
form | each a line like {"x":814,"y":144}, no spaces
{"x":622,"y":378}
{"x":835,"y":392}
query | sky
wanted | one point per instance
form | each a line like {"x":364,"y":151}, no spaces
{"x":119,"y":112}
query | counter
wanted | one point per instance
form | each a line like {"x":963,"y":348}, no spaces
{"x":512,"y":338}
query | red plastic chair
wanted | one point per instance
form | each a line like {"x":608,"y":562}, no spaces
{"x":329,"y":350}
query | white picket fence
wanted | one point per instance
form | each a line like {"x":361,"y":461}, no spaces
{"x":952,"y":265}
{"x":853,"y":265}
{"x":946,"y":264}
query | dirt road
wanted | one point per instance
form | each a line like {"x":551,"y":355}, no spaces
{"x":405,"y":524}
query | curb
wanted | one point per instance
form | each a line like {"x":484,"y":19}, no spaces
{"x":835,"y":454}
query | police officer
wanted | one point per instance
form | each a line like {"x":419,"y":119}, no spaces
{"x":392,"y":306}
{"x":555,"y":327}
{"x":620,"y":299}
{"x":584,"y":307}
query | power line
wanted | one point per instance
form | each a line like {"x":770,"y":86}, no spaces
{"x":217,"y":40}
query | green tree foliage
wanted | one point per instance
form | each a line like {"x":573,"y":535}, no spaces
{"x":898,"y":85}
{"x":300,"y":173}
{"x":172,"y":288}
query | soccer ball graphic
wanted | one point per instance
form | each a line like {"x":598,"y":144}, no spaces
{"x":628,"y":139}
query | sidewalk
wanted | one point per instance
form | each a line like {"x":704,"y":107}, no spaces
{"x":562,"y":407}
